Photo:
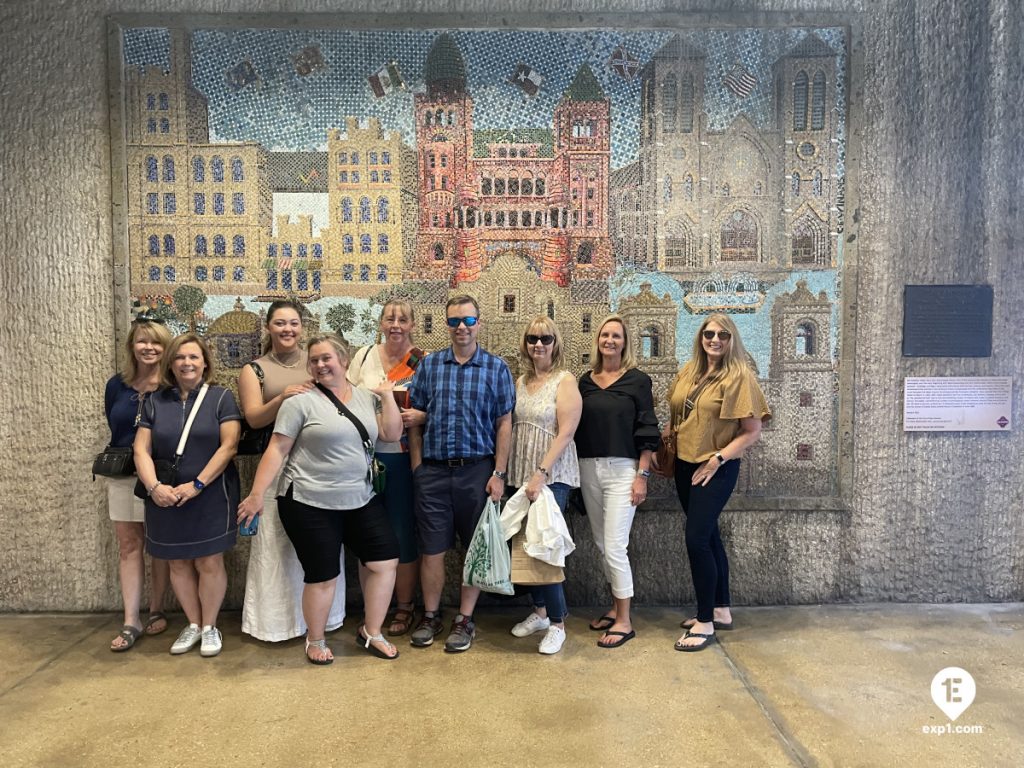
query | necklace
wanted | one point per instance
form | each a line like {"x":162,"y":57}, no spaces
{"x":276,"y":359}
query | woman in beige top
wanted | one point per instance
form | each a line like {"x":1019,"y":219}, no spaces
{"x":717,"y":411}
{"x":272,"y":610}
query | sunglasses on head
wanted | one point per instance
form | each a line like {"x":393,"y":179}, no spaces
{"x":453,"y":322}
{"x":546,"y":339}
{"x":148,"y":319}
{"x":723,"y":335}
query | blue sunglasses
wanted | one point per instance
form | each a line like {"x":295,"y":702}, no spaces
{"x":453,"y":322}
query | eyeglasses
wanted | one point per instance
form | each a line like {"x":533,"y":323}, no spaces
{"x":723,"y":335}
{"x":546,"y":339}
{"x":453,"y":322}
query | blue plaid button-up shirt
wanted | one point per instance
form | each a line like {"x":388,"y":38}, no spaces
{"x":462,"y":402}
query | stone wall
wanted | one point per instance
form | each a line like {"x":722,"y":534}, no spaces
{"x":937,"y":159}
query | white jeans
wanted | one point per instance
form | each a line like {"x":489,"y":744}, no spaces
{"x":607,"y":484}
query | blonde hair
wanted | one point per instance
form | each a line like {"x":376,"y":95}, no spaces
{"x":734,"y":359}
{"x":405,"y":305}
{"x":549,"y":327}
{"x":166,"y":376}
{"x":628,"y":359}
{"x":156,"y":332}
{"x":339,"y":344}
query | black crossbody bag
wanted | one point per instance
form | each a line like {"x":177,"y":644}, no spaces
{"x":117,"y":462}
{"x":376,"y":472}
{"x":254,"y":440}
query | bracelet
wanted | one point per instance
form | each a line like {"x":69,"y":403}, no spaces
{"x":149,"y":491}
{"x":544,"y":472}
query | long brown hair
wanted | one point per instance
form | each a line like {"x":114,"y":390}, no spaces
{"x":548,"y":326}
{"x":734,"y":358}
{"x":268,"y":343}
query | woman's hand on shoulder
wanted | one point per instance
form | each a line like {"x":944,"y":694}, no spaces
{"x":297,"y":389}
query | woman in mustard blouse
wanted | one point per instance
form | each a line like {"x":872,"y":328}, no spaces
{"x":717,"y":412}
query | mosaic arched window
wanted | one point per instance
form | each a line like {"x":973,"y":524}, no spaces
{"x":318,"y":251}
{"x":154,"y":274}
{"x":364,"y":210}
{"x":238,"y":274}
{"x":198,"y":169}
{"x":650,"y":342}
{"x":818,"y":101}
{"x":364,"y":243}
{"x":739,"y":237}
{"x":151,"y":101}
{"x":499,"y":186}
{"x":373,"y":158}
{"x":169,"y":245}
{"x":800,"y":102}
{"x":218,"y":274}
{"x":168,"y":168}
{"x":154,"y":245}
{"x":513,"y":186}
{"x":585,"y":253}
{"x":538,"y":186}
{"x":152,"y":174}
{"x":794,"y":183}
{"x":286,"y":250}
{"x":808,"y":241}
{"x":438,"y":252}
{"x":666,"y":194}
{"x":346,"y":244}
{"x":669,"y":104}
{"x":485,"y":186}
{"x":816,"y":184}
{"x":237,"y":171}
{"x":428,"y":118}
{"x":200,"y":274}
{"x":686,"y":102}
{"x":382,"y":243}
{"x":165,"y":102}
{"x":364,"y":273}
{"x":382,"y":273}
{"x":165,"y":125}
{"x":374,"y":177}
{"x":200,"y":245}
{"x":680,"y":246}
{"x":238,"y":245}
{"x":219,"y":245}
{"x":382,"y":210}
{"x":688,"y":186}
{"x":238,"y":203}
{"x":806,"y":343}
{"x":151,"y":125}
{"x":385,"y":158}
{"x":346,"y":209}
{"x":169,"y":274}
{"x":217,"y":168}
{"x":271,"y":279}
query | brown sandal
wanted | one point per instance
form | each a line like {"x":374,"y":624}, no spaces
{"x":402,"y":620}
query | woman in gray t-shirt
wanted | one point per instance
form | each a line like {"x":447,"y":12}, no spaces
{"x":325,"y":498}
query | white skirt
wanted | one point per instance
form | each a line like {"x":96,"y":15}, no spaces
{"x":272,"y":610}
{"x":122,"y":503}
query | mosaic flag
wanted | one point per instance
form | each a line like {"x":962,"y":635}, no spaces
{"x":527,"y":78}
{"x":242,"y":74}
{"x":624,"y":63}
{"x":739,"y":81}
{"x":386,"y":79}
{"x":308,"y":60}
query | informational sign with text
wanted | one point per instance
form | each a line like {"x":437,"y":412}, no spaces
{"x":957,"y":404}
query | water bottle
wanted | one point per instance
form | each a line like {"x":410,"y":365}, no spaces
{"x":250,"y":528}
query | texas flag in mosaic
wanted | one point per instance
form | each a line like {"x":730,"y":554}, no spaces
{"x":385,"y":80}
{"x":527,"y":78}
{"x":739,"y":81}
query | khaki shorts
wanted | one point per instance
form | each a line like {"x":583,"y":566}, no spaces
{"x":124,"y":506}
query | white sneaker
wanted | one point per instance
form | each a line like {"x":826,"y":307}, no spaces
{"x":187,"y":640}
{"x":529,"y":625}
{"x":212,"y":642}
{"x":553,"y":640}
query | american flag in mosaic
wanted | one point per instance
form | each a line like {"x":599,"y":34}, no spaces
{"x":739,"y":81}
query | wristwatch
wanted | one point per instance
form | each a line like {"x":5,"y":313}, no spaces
{"x":721,"y":459}
{"x":500,"y":475}
{"x":198,"y":484}
{"x":643,"y":473}
{"x":544,"y":472}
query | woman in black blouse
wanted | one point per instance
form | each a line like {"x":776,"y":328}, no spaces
{"x":616,"y":435}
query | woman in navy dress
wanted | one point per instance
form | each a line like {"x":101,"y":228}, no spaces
{"x":191,"y":521}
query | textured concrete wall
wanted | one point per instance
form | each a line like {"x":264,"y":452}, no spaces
{"x":934,"y":141}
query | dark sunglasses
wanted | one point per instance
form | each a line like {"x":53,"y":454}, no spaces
{"x":148,"y":319}
{"x":723,"y":335}
{"x":546,"y":339}
{"x":453,"y":322}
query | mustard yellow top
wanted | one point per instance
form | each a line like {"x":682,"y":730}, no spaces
{"x":714,"y":421}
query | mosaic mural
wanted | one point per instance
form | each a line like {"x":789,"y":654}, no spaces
{"x":661,"y":174}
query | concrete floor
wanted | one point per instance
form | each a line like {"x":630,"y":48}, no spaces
{"x":790,"y":686}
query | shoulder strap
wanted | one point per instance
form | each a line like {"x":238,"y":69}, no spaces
{"x":191,"y":417}
{"x":343,"y":411}
{"x":366,"y":353}
{"x":258,"y":370}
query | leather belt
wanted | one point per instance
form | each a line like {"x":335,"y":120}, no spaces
{"x":456,"y":463}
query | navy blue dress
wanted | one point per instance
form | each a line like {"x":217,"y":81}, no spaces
{"x":206,"y":524}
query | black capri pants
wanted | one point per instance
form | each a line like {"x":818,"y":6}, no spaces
{"x":318,"y":535}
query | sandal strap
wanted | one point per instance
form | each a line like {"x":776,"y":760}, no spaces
{"x":379,"y":638}
{"x":321,"y":643}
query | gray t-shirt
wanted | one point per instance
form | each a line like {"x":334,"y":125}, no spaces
{"x":327,"y":465}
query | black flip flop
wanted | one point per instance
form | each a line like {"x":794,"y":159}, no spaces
{"x":688,"y":624}
{"x":604,"y":624}
{"x":624,"y":637}
{"x":708,"y":640}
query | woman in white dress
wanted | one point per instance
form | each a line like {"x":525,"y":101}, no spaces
{"x":272,"y":610}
